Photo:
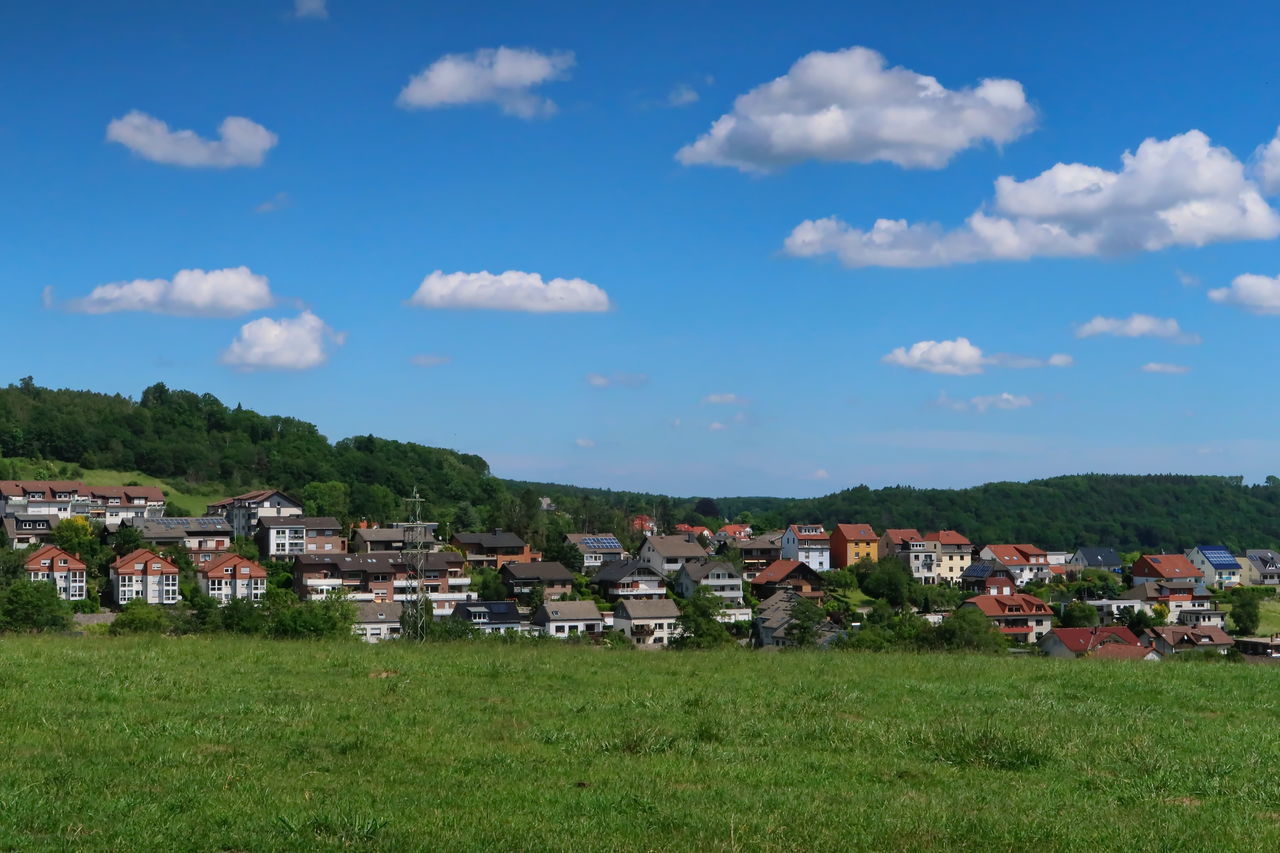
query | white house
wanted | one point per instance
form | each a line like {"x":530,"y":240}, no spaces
{"x":232,"y":576}
{"x":629,"y":579}
{"x":649,"y":623}
{"x":668,"y":554}
{"x":377,"y":620}
{"x":597,"y":549}
{"x":65,"y":571}
{"x":809,"y":544}
{"x":563,"y":619}
{"x":722,"y":579}
{"x":146,"y":575}
{"x":243,"y":511}
{"x":1217,"y":563}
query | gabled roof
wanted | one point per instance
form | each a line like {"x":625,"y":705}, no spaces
{"x":541,"y":571}
{"x":1166,"y":566}
{"x":53,"y":554}
{"x":760,"y":543}
{"x":657,"y":608}
{"x":615,"y":570}
{"x":780,"y":570}
{"x":982,"y":569}
{"x":253,"y":497}
{"x":595,"y":541}
{"x":378,"y":612}
{"x":947,"y":537}
{"x":698,"y":571}
{"x":1017,"y":604}
{"x":814,"y":532}
{"x":902,"y":535}
{"x":735,"y":530}
{"x":1120,"y":651}
{"x":492,"y":539}
{"x":500,"y":612}
{"x":1203,"y":635}
{"x":675,"y":547}
{"x":857,"y":532}
{"x":1218,"y":557}
{"x":125,"y":565}
{"x":234,"y":562}
{"x":566,"y":611}
{"x":1099,"y":558}
{"x":1082,"y":640}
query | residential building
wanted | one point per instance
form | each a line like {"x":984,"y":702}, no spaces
{"x":145,"y":575}
{"x":1119,"y":651}
{"x":759,"y":552}
{"x":563,"y":619}
{"x":936,"y":557}
{"x":1164,"y":567}
{"x":1026,"y":562}
{"x":809,"y":544}
{"x":494,"y":549}
{"x":629,"y":579}
{"x":1268,"y":646}
{"x":1188,"y":601}
{"x":288,"y":536}
{"x":987,"y":577}
{"x":1250,"y":573}
{"x":596,"y":548}
{"x":377,"y":620}
{"x":850,"y":543}
{"x":649,"y":623}
{"x":368,"y":540}
{"x":1079,"y":642}
{"x":65,"y":571}
{"x":722,"y":579}
{"x":384,"y":577}
{"x":787,"y":574}
{"x":1175,"y":639}
{"x":1267,"y":564}
{"x":895,"y":540}
{"x":204,"y":538}
{"x":769,"y":628}
{"x":25,"y":530}
{"x":1021,"y":617}
{"x":521,"y":579}
{"x":732,"y":533}
{"x":644,"y":524}
{"x":68,"y":498}
{"x":232,"y":576}
{"x":1217,"y":564}
{"x":1092,"y":557}
{"x":244,"y":511}
{"x":668,"y":554}
{"x":492,"y":617}
{"x":697,"y":531}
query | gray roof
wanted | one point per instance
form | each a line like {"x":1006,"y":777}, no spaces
{"x":1099,"y":558}
{"x":378,"y":611}
{"x":500,"y":612}
{"x":566,"y":611}
{"x":673,"y":547}
{"x":494,"y":539}
{"x":544,"y":571}
{"x":760,"y":543}
{"x":176,"y":527}
{"x":698,"y":571}
{"x":656,"y":608}
{"x":387,"y":534}
{"x":616,"y":570}
{"x":321,"y":523}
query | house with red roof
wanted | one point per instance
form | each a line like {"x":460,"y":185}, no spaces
{"x":696,"y":530}
{"x":1026,"y":562}
{"x":1078,"y":642}
{"x":644,"y":524}
{"x":1175,"y":639}
{"x":1119,"y":651}
{"x":232,"y":576}
{"x":895,"y":539}
{"x":787,"y":574}
{"x":939,"y":557}
{"x":734,"y":532}
{"x":146,"y":575}
{"x":809,"y":544}
{"x":1020,"y":617}
{"x":1164,"y":567}
{"x":853,"y":542}
{"x":65,"y":571}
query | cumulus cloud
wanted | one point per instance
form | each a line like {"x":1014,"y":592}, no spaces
{"x":1259,"y":294}
{"x":294,"y":343}
{"x":1164,"y":367}
{"x":504,"y":76}
{"x":682,"y":96}
{"x":240,"y":142}
{"x":1181,"y":191}
{"x":1266,"y":164}
{"x":984,"y":403}
{"x":584,"y":442}
{"x":1137,"y":326}
{"x":509,"y":291}
{"x":722,"y":399}
{"x":848,"y":106}
{"x":310,"y":9}
{"x":961,"y":358}
{"x":617,"y":380}
{"x":428,"y":360}
{"x":190,"y":293}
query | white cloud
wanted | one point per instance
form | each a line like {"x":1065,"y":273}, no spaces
{"x":509,"y":291}
{"x":503,"y":76}
{"x":288,"y":344}
{"x":619,"y":380}
{"x":1163,"y":367}
{"x":1182,"y":191}
{"x":722,"y":399}
{"x":428,"y":360}
{"x":847,"y":106}
{"x":191,"y":293}
{"x":1259,"y":294}
{"x":240,"y":142}
{"x":981,"y":404}
{"x":820,"y":474}
{"x":1266,"y":165}
{"x":716,"y":426}
{"x":1137,"y":326}
{"x":310,"y":9}
{"x":961,"y":358}
{"x":682,"y":95}
{"x":584,"y":442}
{"x":1186,"y":279}
{"x":271,"y":205}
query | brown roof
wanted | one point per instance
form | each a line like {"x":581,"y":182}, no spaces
{"x":820,"y":534}
{"x":857,"y":532}
{"x":566,"y":610}
{"x":1204,"y":635}
{"x":125,"y":565}
{"x":947,"y":537}
{"x":1120,"y":651}
{"x":1002,"y":605}
{"x":902,"y":535}
{"x":53,"y":553}
{"x":1166,"y":566}
{"x":676,"y":546}
{"x":1081,"y":640}
{"x":234,"y":562}
{"x":778,"y":570}
{"x":657,"y":608}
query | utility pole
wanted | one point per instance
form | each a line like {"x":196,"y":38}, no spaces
{"x":419,"y":612}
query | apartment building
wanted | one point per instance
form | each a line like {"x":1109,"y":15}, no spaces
{"x":145,"y":575}
{"x":244,"y":511}
{"x":231,"y":576}
{"x":65,"y":571}
{"x":281,"y":537}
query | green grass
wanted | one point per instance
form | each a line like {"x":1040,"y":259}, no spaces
{"x":192,"y":500}
{"x":230,"y":744}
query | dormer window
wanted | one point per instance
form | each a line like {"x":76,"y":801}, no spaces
{"x":227,"y":570}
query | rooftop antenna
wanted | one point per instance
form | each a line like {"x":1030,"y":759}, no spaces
{"x":418,"y":611}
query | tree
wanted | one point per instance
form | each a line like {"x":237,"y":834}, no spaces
{"x":700,"y":625}
{"x":126,"y":540}
{"x":1078,"y":614}
{"x":1245,"y":615}
{"x":708,"y":508}
{"x":890,"y":581}
{"x":242,"y":616}
{"x":487,"y":584}
{"x":243,"y":546}
{"x":565,"y":553}
{"x":138,"y":617}
{"x":1137,"y":621}
{"x":33,"y":606}
{"x":326,"y":499}
{"x":968,"y":629}
{"x":802,"y":628}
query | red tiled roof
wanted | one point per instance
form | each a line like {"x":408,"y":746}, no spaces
{"x":1204,"y":635}
{"x":795,"y":528}
{"x":857,"y":532}
{"x":52,"y":553}
{"x":125,"y":565}
{"x":1119,"y":651}
{"x":999,"y":605}
{"x":1080,"y":640}
{"x":901,"y":535}
{"x":738,"y":530}
{"x":947,"y":537}
{"x":234,"y":562}
{"x":776,"y":571}
{"x":1165,"y":566}
{"x":1018,"y":555}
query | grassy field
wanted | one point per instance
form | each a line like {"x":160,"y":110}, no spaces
{"x":192,"y":501}
{"x":227,"y":744}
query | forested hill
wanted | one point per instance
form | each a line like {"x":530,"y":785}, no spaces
{"x":194,"y":440}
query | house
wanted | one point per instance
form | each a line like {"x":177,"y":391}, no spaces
{"x":808,"y":544}
{"x":668,"y":554}
{"x":385,"y":577}
{"x":25,"y":530}
{"x":895,"y":539}
{"x":696,"y":531}
{"x":1187,"y":601}
{"x":644,"y":524}
{"x":1250,"y":574}
{"x":521,"y":579}
{"x":244,"y":511}
{"x":494,"y":549}
{"x":650,"y":624}
{"x":986,"y":577}
{"x":563,"y":619}
{"x":204,"y":538}
{"x":367,"y":540}
{"x":732,"y":533}
{"x":1078,"y":642}
{"x":769,"y":628}
{"x":65,"y":571}
{"x":1268,"y":646}
{"x":377,"y":620}
{"x":232,"y":576}
{"x":936,"y":557}
{"x":1092,"y":557}
{"x":1020,"y":617}
{"x":146,"y":575}
{"x":759,"y":552}
{"x":1217,"y":564}
{"x":1267,"y":564}
{"x":787,"y":574}
{"x":288,"y":536}
{"x":629,"y":579}
{"x":1119,"y":651}
{"x":853,"y":542}
{"x":1164,"y":567}
{"x":1026,"y":562}
{"x":492,"y":617}
{"x":722,"y":579}
{"x":68,"y":499}
{"x":596,"y":549}
{"x":1175,"y":639}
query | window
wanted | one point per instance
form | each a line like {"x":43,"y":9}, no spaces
{"x":560,"y":629}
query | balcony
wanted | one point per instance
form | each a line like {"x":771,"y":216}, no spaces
{"x":322,"y":583}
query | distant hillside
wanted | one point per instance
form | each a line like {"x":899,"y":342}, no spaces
{"x":198,"y":446}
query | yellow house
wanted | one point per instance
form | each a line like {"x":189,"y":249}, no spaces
{"x":853,"y":542}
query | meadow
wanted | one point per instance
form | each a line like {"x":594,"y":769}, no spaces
{"x":211,"y":743}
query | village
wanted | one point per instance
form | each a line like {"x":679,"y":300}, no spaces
{"x":1159,"y":604}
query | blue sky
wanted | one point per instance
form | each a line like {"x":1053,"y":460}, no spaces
{"x":344,"y":195}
